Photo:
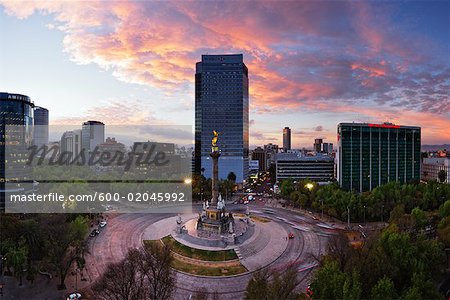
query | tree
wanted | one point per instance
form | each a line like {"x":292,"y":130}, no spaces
{"x":287,"y":187}
{"x":155,"y":266}
{"x":17,"y":259}
{"x":128,"y":285}
{"x":258,"y":285}
{"x":384,"y":289}
{"x":340,"y":250}
{"x":444,"y":209}
{"x":420,"y":218}
{"x":442,"y":176}
{"x":65,"y":242}
{"x":328,"y":282}
{"x":144,"y":274}
{"x":352,"y":289}
{"x":231,"y":177}
{"x":271,"y":284}
{"x":443,"y":231}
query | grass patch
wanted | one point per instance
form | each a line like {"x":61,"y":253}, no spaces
{"x":260,"y":219}
{"x":206,"y":255}
{"x":207,"y":270}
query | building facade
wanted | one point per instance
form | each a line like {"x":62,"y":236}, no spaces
{"x":286,"y":138}
{"x":260,"y":155}
{"x":319,"y":168}
{"x":327,"y":148}
{"x":370,"y":155}
{"x":222,"y":104}
{"x":40,"y":126}
{"x":431,"y":167}
{"x":16,"y":123}
{"x":92,"y":135}
{"x":70,"y":147}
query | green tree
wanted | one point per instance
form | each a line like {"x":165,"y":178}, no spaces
{"x":352,"y":289}
{"x":419,"y":217}
{"x":17,"y":258}
{"x":231,"y":177}
{"x":65,"y":243}
{"x":287,"y":187}
{"x":444,"y":209}
{"x":443,"y":231}
{"x":328,"y":282}
{"x":384,"y":289}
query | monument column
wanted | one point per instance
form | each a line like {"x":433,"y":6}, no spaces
{"x":215,"y":176}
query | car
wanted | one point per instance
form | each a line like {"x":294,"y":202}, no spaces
{"x":73,"y":296}
{"x":94,"y":232}
{"x":290,"y":235}
{"x":102,"y":224}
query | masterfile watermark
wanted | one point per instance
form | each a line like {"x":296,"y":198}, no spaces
{"x":92,"y":170}
{"x":105,"y":158}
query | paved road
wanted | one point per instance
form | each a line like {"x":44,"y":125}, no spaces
{"x":125,"y":231}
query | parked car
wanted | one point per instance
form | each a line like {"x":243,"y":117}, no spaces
{"x":94,"y":232}
{"x":102,"y":224}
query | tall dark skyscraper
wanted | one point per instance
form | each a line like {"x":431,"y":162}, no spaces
{"x":370,"y":155}
{"x":16,"y":122}
{"x":286,"y":138}
{"x":40,"y":126}
{"x":221,"y":104}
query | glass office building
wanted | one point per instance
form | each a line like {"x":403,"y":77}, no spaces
{"x":370,"y":155}
{"x":221,"y":104}
{"x":16,"y":128}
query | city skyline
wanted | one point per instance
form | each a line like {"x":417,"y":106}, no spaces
{"x":85,"y":61}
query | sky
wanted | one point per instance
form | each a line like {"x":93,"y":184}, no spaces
{"x":312,"y":64}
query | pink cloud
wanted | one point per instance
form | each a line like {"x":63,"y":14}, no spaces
{"x":313,"y":56}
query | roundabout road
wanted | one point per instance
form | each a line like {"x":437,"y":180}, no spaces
{"x":125,"y":231}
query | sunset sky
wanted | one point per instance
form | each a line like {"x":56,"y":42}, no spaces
{"x":312,"y":64}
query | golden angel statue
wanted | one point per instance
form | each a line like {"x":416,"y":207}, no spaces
{"x":214,"y":139}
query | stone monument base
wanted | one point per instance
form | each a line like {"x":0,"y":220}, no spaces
{"x":214,"y":220}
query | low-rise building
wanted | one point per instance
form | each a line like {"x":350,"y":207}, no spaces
{"x":319,"y":168}
{"x":433,"y":165}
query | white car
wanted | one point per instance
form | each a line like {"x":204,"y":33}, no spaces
{"x":102,"y":224}
{"x":74,"y":296}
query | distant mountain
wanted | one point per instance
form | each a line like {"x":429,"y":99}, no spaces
{"x":435,"y":147}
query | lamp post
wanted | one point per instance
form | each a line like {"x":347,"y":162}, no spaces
{"x":364,"y":215}
{"x":321,"y":205}
{"x":348,"y":217}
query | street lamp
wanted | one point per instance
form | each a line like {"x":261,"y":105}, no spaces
{"x":309,"y":186}
{"x":348,"y":217}
{"x":188,"y":180}
{"x":321,"y":205}
{"x":201,"y":185}
{"x":364,"y":215}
